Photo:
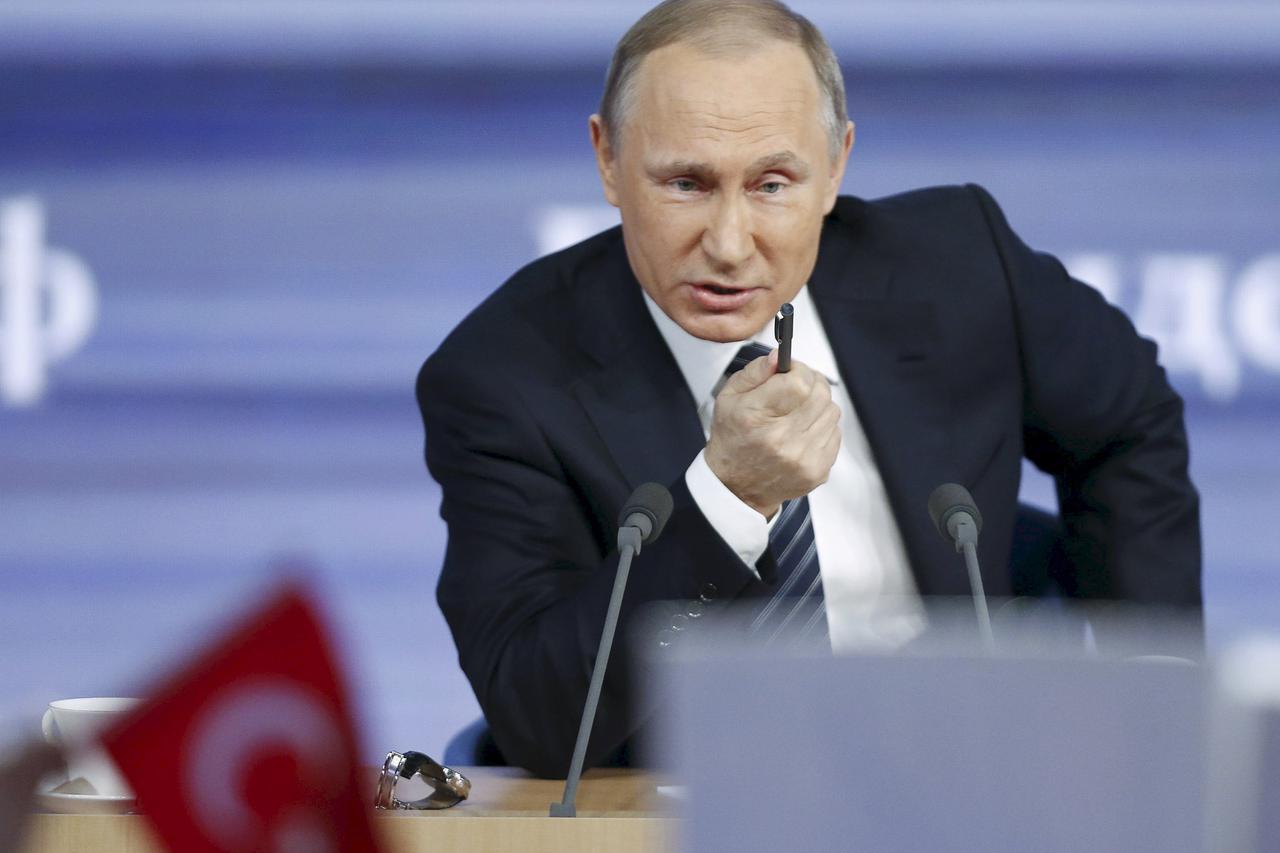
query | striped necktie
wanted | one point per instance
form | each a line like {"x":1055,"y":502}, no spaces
{"x":796,"y":606}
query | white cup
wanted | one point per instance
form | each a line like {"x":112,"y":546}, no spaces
{"x":74,"y":725}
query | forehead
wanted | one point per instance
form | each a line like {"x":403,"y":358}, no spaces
{"x":690,"y":102}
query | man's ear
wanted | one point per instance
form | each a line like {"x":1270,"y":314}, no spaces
{"x":837,"y":168}
{"x":605,"y":161}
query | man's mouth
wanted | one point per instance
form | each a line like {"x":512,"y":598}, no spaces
{"x":715,"y":297}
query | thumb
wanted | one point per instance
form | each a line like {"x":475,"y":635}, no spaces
{"x":755,"y":374}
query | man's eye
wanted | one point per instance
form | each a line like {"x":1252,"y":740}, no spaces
{"x":771,"y":187}
{"x":684,"y":185}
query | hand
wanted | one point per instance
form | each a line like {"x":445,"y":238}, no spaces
{"x":774,"y":436}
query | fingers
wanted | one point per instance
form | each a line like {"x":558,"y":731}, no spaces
{"x":773,"y":435}
{"x":801,"y":395}
{"x":785,"y":393}
{"x":755,"y":374}
{"x":822,"y":417}
{"x":822,"y":437}
{"x":827,"y":453}
{"x":815,"y":404}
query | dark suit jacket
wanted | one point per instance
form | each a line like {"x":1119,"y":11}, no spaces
{"x":962,"y":350}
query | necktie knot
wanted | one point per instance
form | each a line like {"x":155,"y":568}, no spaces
{"x":747,"y":354}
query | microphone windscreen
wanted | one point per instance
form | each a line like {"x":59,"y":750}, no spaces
{"x":946,"y":501}
{"x":654,"y":501}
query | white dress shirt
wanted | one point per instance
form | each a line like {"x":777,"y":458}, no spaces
{"x":871,"y":596}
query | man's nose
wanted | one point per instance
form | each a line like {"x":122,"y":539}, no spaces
{"x":729,"y":240}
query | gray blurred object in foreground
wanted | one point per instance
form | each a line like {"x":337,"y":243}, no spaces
{"x":1244,"y":776}
{"x":1040,"y":746}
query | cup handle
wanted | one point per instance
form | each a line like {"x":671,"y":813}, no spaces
{"x":49,"y":728}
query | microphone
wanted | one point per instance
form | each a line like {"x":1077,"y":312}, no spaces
{"x":647,"y":510}
{"x":957,"y":518}
{"x":641,"y":521}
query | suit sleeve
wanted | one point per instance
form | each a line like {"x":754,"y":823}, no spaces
{"x":1100,"y":416}
{"x":528,"y":571}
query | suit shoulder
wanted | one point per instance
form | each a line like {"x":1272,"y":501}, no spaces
{"x":940,"y":218}
{"x":529,"y":312}
{"x":924,"y":207}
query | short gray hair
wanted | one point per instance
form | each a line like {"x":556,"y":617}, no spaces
{"x":720,"y":26}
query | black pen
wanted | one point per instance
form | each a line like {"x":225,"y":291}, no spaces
{"x":782,"y":331}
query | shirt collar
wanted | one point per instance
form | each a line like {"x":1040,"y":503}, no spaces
{"x":703,"y":362}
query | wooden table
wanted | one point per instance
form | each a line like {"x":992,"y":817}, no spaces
{"x":618,"y":810}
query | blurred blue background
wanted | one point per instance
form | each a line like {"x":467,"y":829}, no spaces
{"x":230,"y":233}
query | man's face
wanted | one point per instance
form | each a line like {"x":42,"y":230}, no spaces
{"x":723,"y":173}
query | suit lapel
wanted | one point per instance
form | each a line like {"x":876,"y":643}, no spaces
{"x":633,"y":390}
{"x":885,"y":346}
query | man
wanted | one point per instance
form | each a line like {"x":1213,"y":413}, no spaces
{"x":931,"y":346}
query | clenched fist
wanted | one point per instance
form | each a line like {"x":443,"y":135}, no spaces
{"x":774,"y":436}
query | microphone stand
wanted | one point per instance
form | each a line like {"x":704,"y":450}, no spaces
{"x":957,"y":518}
{"x":967,"y":542}
{"x":630,"y":536}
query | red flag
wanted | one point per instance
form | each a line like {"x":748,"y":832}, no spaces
{"x":252,"y":747}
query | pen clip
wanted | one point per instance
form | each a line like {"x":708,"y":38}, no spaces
{"x":780,"y":319}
